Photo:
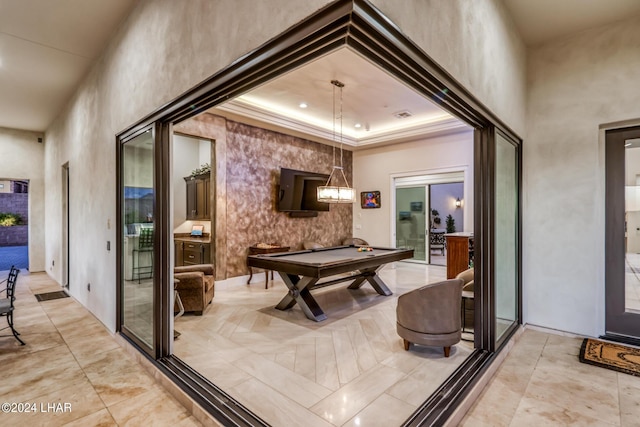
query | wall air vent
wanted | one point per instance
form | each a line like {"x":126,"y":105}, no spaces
{"x":402,"y":114}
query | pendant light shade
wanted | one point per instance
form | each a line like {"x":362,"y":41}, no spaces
{"x":334,"y":194}
{"x":330,"y":193}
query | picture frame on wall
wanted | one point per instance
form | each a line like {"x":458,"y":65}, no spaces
{"x":370,"y":199}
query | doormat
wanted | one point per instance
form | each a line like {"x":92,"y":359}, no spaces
{"x":48,"y":296}
{"x":611,"y":356}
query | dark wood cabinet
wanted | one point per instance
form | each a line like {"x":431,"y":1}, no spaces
{"x":198,"y":196}
{"x":192,"y":253}
{"x":459,"y":253}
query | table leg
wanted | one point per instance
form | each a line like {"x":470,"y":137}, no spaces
{"x":299,"y":293}
{"x":250,"y":275}
{"x":371,"y":275}
{"x":266,"y":279}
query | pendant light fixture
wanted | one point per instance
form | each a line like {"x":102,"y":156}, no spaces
{"x":335,"y":193}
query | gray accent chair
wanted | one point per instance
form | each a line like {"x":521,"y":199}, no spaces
{"x":430,"y":315}
{"x":311,"y":245}
{"x":354,"y":241}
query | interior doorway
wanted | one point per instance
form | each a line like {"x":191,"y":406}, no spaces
{"x":65,"y":225}
{"x":14,"y":223}
{"x":622,"y":219}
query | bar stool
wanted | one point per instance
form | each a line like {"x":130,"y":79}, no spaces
{"x":145,"y":245}
{"x":467,"y":277}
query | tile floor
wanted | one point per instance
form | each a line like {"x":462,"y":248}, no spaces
{"x":348,"y":370}
{"x":71,"y":358}
{"x":540,"y":382}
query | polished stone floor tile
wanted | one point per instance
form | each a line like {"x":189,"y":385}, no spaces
{"x":308,"y":362}
{"x":71,"y":359}
{"x":541,"y":382}
{"x":101,"y":418}
{"x":383,"y":412}
{"x":274,"y":407}
{"x":57,"y":407}
{"x":343,"y":404}
{"x":154,"y":407}
{"x":297,"y":388}
{"x":534,"y":412}
{"x":291,"y":373}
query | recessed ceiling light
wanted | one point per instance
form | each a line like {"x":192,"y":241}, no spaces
{"x":303,"y":105}
{"x":357,"y":125}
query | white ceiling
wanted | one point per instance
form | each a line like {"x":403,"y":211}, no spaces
{"x":540,"y":21}
{"x":371,"y":98}
{"x":48,"y":46}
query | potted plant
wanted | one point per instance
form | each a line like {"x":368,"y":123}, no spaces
{"x":451,"y":224}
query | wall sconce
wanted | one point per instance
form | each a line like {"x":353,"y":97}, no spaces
{"x":458,"y":203}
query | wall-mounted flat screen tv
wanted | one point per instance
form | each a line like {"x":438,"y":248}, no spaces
{"x":297,"y":191}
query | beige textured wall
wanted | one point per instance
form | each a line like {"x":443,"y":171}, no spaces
{"x":166,"y":47}
{"x":374,"y":169}
{"x":476,"y":42}
{"x":575,"y":85}
{"x":22,"y":157}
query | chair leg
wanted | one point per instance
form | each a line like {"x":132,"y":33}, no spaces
{"x":406,"y":344}
{"x":15,"y":333}
{"x":447,"y":351}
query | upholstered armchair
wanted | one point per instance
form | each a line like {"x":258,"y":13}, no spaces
{"x":195,"y":286}
{"x":430,"y":315}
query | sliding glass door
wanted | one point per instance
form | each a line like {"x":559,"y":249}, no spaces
{"x":506,"y":235}
{"x":137,"y":240}
{"x":411,"y":220}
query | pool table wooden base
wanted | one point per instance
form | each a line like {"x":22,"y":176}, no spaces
{"x":300,"y":287}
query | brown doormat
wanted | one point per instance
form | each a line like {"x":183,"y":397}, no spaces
{"x":611,"y":356}
{"x":48,"y":296}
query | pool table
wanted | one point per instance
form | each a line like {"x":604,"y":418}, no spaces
{"x":302,"y":270}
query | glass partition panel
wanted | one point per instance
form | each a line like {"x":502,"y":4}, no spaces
{"x":138,"y":208}
{"x":632,"y":225}
{"x":506,"y":235}
{"x":411,"y":225}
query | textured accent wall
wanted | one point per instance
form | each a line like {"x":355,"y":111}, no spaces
{"x":248,"y":214}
